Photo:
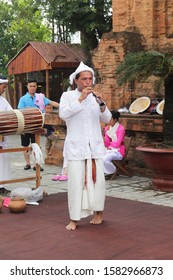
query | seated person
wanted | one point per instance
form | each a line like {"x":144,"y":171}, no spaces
{"x":51,"y":136}
{"x":114,"y":134}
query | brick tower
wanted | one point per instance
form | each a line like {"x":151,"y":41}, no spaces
{"x":137,"y":25}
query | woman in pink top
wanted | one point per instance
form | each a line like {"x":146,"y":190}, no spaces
{"x":114,"y":134}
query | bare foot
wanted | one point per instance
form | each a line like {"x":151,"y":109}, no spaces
{"x":72,"y":225}
{"x":98,"y":219}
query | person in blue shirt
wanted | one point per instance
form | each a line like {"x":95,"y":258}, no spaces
{"x":32,"y":100}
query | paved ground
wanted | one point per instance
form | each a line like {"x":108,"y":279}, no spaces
{"x":135,"y":188}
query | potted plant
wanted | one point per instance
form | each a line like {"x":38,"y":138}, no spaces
{"x":139,"y":66}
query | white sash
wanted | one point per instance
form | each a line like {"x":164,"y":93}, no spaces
{"x":112,"y":131}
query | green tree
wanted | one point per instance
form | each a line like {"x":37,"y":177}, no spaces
{"x":21,"y":21}
{"x":91,"y":18}
{"x":51,"y":20}
{"x":7,"y":42}
{"x":53,"y":13}
{"x":27,"y":23}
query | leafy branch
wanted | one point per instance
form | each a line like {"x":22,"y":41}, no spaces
{"x":141,"y":65}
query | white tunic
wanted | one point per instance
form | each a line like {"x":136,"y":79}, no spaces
{"x":4,"y":158}
{"x":84,"y":138}
{"x":84,"y":141}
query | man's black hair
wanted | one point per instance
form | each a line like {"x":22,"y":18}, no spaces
{"x":31,"y":81}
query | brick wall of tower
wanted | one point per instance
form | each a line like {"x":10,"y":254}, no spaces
{"x":137,"y":25}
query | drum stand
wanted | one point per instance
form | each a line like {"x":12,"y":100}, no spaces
{"x":37,"y":177}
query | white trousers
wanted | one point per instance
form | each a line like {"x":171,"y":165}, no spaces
{"x":84,"y":196}
{"x":109,"y":167}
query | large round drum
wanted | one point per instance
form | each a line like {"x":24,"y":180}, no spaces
{"x":29,"y":120}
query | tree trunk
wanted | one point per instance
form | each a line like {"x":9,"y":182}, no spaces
{"x":168,"y":113}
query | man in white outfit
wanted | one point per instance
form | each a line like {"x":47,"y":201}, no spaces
{"x":84,"y":148}
{"x":4,"y":157}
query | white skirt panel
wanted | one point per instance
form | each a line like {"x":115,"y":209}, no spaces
{"x":85,"y":198}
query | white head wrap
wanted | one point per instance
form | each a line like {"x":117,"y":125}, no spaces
{"x":2,"y":81}
{"x":81,"y":68}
